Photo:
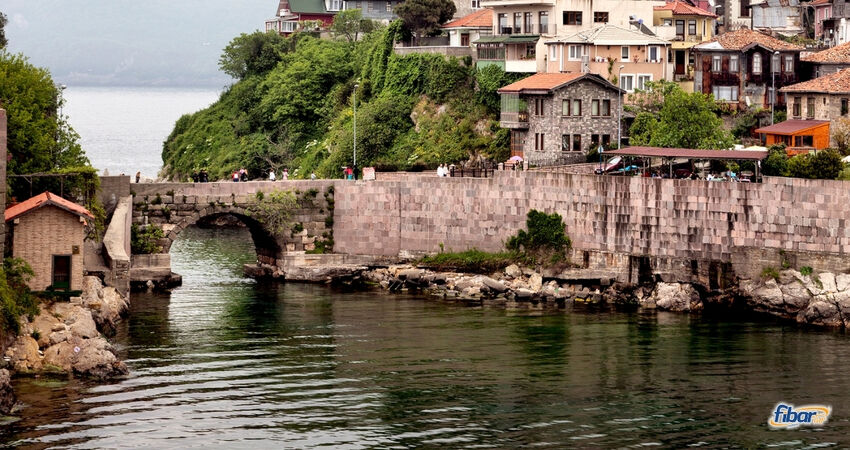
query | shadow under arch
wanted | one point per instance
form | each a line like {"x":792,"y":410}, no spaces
{"x":267,"y":247}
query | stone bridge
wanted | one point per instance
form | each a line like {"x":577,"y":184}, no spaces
{"x":176,"y":206}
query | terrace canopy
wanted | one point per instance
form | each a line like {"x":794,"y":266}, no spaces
{"x":690,"y":153}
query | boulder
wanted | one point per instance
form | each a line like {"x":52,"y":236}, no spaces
{"x":827,"y":280}
{"x":91,"y":358}
{"x":513,"y":271}
{"x":23,"y":355}
{"x":7,"y":395}
{"x":494,"y":285}
{"x":78,"y":319}
{"x":821,"y":312}
{"x":44,"y":323}
{"x":676,"y":297}
{"x":795,"y":296}
{"x":768,"y":296}
{"x":107,"y":305}
{"x":535,"y":282}
{"x":523,"y":294}
{"x":410,"y":274}
{"x":842,"y":282}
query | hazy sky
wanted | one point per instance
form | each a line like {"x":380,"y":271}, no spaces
{"x":131,"y":42}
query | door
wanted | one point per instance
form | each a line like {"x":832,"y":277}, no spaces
{"x":62,"y":272}
{"x":680,"y":62}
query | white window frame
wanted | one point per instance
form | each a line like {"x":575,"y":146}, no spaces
{"x":649,"y":51}
{"x":732,"y":90}
{"x":716,"y":63}
{"x":733,"y":64}
{"x":476,"y":4}
{"x":789,"y":64}
{"x":575,"y":55}
{"x":631,"y":77}
{"x":646,"y":77}
{"x":553,"y":53}
{"x":628,"y":53}
{"x":757,"y":63}
{"x":288,"y":26}
{"x":334,"y":5}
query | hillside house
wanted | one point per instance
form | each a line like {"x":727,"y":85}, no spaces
{"x":47,"y":232}
{"x":303,"y":15}
{"x":684,"y":26}
{"x":555,"y":118}
{"x":825,"y":98}
{"x":828,"y":61}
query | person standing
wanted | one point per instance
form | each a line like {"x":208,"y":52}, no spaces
{"x":285,"y":174}
{"x":138,"y":176}
{"x":236,"y":176}
{"x":312,"y":175}
{"x":271,"y":175}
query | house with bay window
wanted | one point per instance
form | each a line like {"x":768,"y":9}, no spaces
{"x":743,"y":68}
{"x":602,"y":50}
{"x":554,"y":118}
{"x":303,"y":15}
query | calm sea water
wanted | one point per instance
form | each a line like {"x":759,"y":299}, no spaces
{"x":225,"y":362}
{"x":122,"y":128}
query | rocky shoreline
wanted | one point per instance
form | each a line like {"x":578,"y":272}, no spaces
{"x":67,"y":339}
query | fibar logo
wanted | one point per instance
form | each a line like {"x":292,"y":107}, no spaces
{"x":786,"y":417}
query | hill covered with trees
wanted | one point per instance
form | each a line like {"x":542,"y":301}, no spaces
{"x":292,"y":107}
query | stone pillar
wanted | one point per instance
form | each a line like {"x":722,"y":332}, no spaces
{"x":2,"y":179}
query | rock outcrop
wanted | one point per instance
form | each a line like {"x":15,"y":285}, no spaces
{"x":673,"y":297}
{"x":7,"y":395}
{"x":817,"y":299}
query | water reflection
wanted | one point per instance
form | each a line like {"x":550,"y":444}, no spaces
{"x":226,"y":362}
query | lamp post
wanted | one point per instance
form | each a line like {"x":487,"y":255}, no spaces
{"x":773,"y":82}
{"x":620,"y":107}
{"x":355,"y":129}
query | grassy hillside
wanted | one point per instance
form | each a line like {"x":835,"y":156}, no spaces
{"x":292,"y":107}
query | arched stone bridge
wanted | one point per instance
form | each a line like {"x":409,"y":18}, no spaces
{"x":176,"y":206}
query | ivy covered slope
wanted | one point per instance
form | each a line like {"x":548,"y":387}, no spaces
{"x":292,"y":107}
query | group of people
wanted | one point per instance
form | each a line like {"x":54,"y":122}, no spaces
{"x":199,"y":176}
{"x":444,"y":170}
{"x":239,"y":175}
{"x":283,"y":175}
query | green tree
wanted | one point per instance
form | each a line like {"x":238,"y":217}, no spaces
{"x":3,"y":21}
{"x":252,"y":54}
{"x":490,"y":79}
{"x":350,"y":24}
{"x":841,"y":134}
{"x":424,"y":17}
{"x":39,"y":140}
{"x":824,"y":165}
{"x":683,"y":120}
{"x":776,"y":163}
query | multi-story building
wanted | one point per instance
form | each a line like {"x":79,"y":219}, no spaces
{"x":743,"y":67}
{"x":823,"y":13}
{"x":685,"y":26}
{"x":733,"y":15}
{"x":604,"y":50}
{"x":828,"y":61}
{"x":521,"y":26}
{"x":303,"y":15}
{"x":382,"y":11}
{"x":555,"y":118}
{"x":823,"y":98}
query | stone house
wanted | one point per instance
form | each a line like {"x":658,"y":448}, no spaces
{"x":555,"y":118}
{"x":741,"y":68}
{"x":824,"y":98}
{"x":827,"y":61}
{"x":47,"y":232}
{"x":604,"y":49}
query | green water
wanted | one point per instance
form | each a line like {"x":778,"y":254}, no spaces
{"x":225,"y":362}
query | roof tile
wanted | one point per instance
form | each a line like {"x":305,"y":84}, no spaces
{"x":683,"y":9}
{"x":478,"y":19}
{"x":838,"y":54}
{"x":550,"y":81}
{"x":791,"y":126}
{"x":834,"y":83}
{"x":45,"y":199}
{"x":743,"y":38}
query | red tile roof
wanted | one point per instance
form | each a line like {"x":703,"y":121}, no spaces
{"x":478,"y":19}
{"x":745,"y":38}
{"x":690,"y":153}
{"x":821,"y":2}
{"x":835,"y":55}
{"x":834,"y":83}
{"x":683,"y":9}
{"x":43,"y":200}
{"x":792,"y":126}
{"x":550,"y":81}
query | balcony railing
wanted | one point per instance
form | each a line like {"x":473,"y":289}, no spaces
{"x":514,"y":119}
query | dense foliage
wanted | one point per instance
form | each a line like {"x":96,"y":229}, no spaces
{"x":667,"y":116}
{"x":15,"y":297}
{"x":471,"y":261}
{"x":413,"y":112}
{"x":3,"y":21}
{"x":824,"y":164}
{"x":145,"y":240}
{"x":350,"y":24}
{"x":424,"y":17}
{"x":545,"y":232}
{"x":776,"y":163}
{"x":252,"y":54}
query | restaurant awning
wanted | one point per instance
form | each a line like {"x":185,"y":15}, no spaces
{"x":690,"y":153}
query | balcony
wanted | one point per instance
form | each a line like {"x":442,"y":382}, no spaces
{"x":514,"y":120}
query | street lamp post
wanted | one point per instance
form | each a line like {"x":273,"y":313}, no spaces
{"x":620,"y":107}
{"x":355,"y":129}
{"x":773,"y":70}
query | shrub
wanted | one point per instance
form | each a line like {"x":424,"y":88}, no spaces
{"x":143,"y":241}
{"x":805,"y":270}
{"x":825,"y":165}
{"x":472,"y":260}
{"x":770,"y":272}
{"x":545,"y":232}
{"x":15,"y":297}
{"x":776,"y":163}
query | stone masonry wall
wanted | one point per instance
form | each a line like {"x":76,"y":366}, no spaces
{"x":43,"y":233}
{"x":669,"y":220}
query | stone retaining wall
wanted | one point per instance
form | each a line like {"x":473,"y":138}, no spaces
{"x":685,"y":223}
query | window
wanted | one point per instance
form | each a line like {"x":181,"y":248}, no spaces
{"x":553,"y":52}
{"x":576,"y":110}
{"x":370,"y":6}
{"x":288,"y":27}
{"x":572,"y":17}
{"x":804,"y":141}
{"x":491,"y":52}
{"x":538,"y":141}
{"x":733,"y":64}
{"x":476,"y":4}
{"x":757,"y":63}
{"x":576,"y":142}
{"x":464,"y":39}
{"x":565,"y":107}
{"x":654,"y":53}
{"x":627,"y":82}
{"x":530,"y":51}
{"x":624,"y":53}
{"x":606,"y":108}
{"x":725,"y":93}
{"x":389,"y":7}
{"x":680,"y":29}
{"x":528,"y":27}
{"x":716,"y":63}
{"x":789,"y":64}
{"x":642,"y":80}
{"x":798,"y":107}
{"x":575,"y":52}
{"x":544,"y":22}
{"x":810,"y":107}
{"x":517,"y":23}
{"x":565,"y":142}
{"x":336,"y":5}
{"x":844,"y":106}
{"x":668,"y":22}
{"x":774,"y":63}
{"x":600,"y":17}
{"x":594,"y":139}
{"x":594,"y":107}
{"x":538,"y":106}
{"x":692,"y":27}
{"x":503,"y":24}
{"x":606,"y":140}
{"x":745,"y":8}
